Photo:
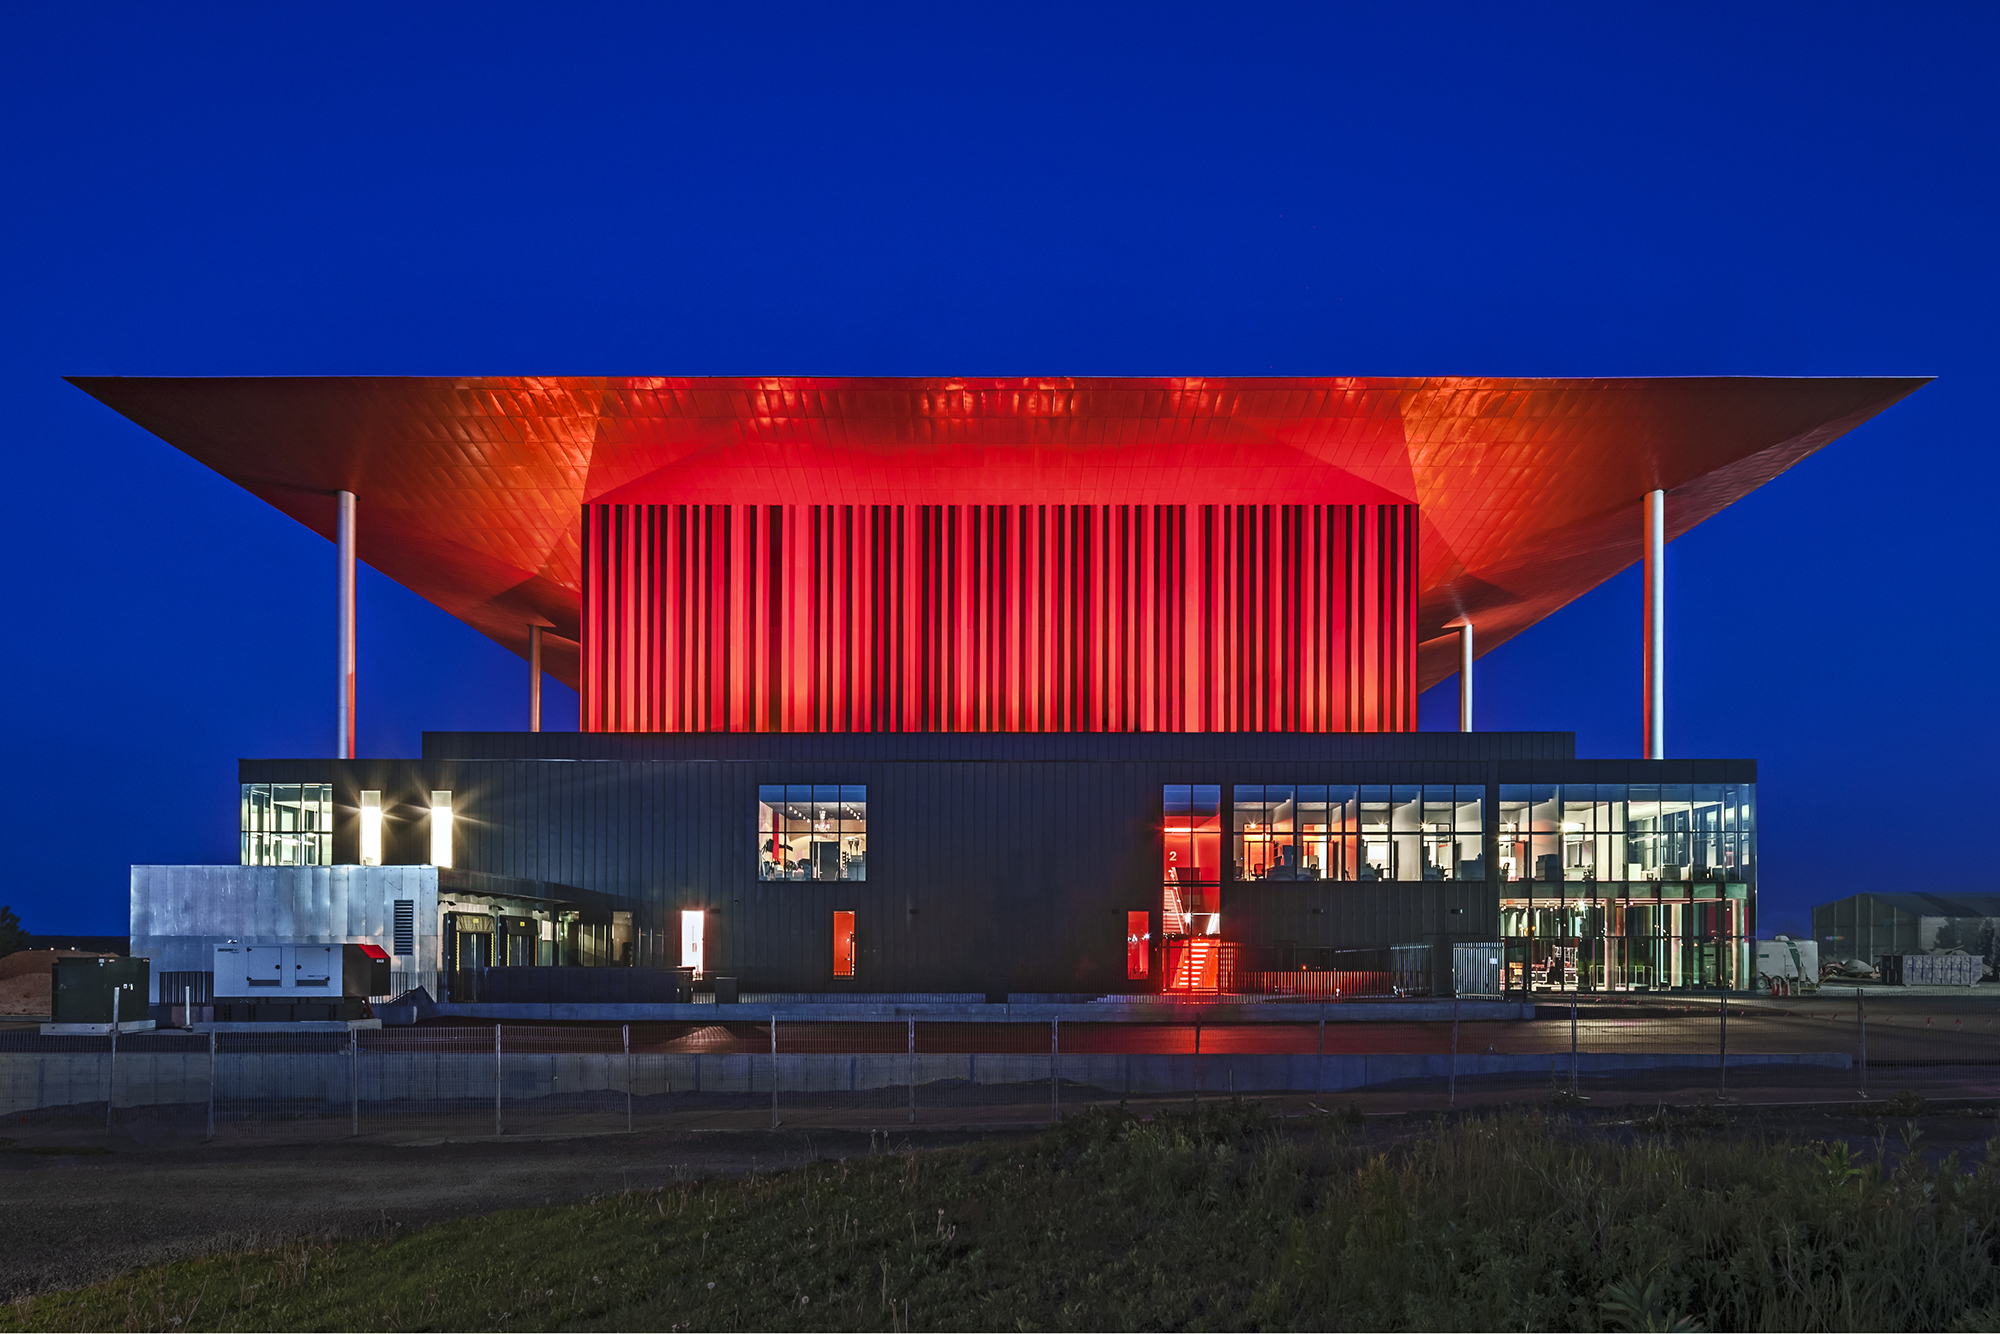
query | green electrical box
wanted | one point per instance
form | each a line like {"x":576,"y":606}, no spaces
{"x":100,"y":991}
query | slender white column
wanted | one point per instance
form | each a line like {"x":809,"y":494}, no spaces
{"x":344,"y":545}
{"x":1465,"y":676}
{"x":534,"y":678}
{"x":1656,"y":625}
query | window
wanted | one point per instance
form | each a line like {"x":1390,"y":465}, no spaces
{"x":287,"y":824}
{"x":817,"y":832}
{"x":1138,"y":943}
{"x":371,"y":828}
{"x":440,"y":829}
{"x":1372,"y":832}
{"x":1615,"y":888}
{"x":843,"y":944}
{"x":693,"y":926}
{"x":1191,"y":858}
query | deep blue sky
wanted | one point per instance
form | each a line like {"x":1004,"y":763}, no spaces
{"x":1006,"y":189}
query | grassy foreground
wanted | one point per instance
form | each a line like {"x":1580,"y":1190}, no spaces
{"x":1524,"y":1220}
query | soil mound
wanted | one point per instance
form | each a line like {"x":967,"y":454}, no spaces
{"x":25,"y":981}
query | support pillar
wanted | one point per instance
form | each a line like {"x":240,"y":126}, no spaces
{"x":534,"y":678}
{"x":1465,"y":676}
{"x":343,"y":745}
{"x":1656,"y":625}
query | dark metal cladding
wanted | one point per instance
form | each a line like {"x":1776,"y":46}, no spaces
{"x":996,"y":862}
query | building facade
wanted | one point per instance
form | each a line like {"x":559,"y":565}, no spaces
{"x":1073,"y":863}
{"x":1023,"y":685}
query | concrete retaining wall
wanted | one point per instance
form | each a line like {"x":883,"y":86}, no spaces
{"x":300,"y":1083}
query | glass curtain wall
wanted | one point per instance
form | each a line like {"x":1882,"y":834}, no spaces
{"x":1191,"y":852}
{"x":1191,"y":858}
{"x":1610,"y":887}
{"x":1412,"y":831}
{"x":287,"y":824}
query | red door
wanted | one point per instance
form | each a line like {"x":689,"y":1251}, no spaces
{"x":843,"y":944}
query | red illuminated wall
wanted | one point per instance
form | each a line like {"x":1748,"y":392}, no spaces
{"x":958,"y":618}
{"x":469,"y":490}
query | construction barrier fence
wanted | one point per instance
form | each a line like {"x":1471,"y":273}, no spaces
{"x":463,"y":1078}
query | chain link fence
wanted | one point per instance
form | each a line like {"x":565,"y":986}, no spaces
{"x":465,"y":1079}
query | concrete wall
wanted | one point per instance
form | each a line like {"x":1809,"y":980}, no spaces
{"x":402,"y":1084}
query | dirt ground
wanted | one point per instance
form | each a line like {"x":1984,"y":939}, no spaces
{"x":78,"y":1217}
{"x":25,"y":982}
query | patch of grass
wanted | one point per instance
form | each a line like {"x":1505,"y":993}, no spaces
{"x":1522,"y":1220}
{"x":1904,"y":1102}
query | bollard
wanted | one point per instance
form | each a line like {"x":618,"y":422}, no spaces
{"x":774,"y":1069}
{"x":354,"y":1080}
{"x":111,"y":1075}
{"x":628,"y":1079}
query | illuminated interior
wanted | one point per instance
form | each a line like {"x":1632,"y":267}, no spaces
{"x":441,"y":829}
{"x":812,"y":833}
{"x":371,"y":828}
{"x":693,"y":925}
{"x":1138,"y":944}
{"x":1191,"y":897}
{"x":1615,"y":887}
{"x":287,"y":824}
{"x":1365,"y":832}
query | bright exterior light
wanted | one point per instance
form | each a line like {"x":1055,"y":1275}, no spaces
{"x":371,"y":828}
{"x":440,"y":829}
{"x":692,"y":921}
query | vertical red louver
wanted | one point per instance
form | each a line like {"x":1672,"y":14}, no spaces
{"x":1015,"y":618}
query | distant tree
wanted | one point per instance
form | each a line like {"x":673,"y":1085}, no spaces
{"x":12,"y":937}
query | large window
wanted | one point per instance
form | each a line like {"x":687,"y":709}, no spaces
{"x":1675,"y":833}
{"x":1384,"y":831}
{"x":441,"y":829}
{"x":1191,"y":857}
{"x":1617,"y":887}
{"x":287,"y":824}
{"x":817,"y":832}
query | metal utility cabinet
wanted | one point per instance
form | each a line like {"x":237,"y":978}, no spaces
{"x":100,"y":991}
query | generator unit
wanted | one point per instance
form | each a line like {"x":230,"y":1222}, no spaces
{"x":284,"y":983}
{"x":100,"y":991}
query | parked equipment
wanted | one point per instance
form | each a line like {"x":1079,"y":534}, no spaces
{"x":1788,"y":966}
{"x":1932,"y":970}
{"x":281,"y":983}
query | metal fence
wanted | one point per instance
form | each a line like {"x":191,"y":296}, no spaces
{"x":469,"y":1079}
{"x":1835,"y":1043}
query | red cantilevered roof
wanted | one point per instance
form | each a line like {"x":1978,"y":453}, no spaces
{"x":471,"y":489}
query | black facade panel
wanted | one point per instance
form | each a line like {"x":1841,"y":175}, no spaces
{"x":996,"y":862}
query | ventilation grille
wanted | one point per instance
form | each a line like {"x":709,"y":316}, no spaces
{"x":175,"y":986}
{"x":406,"y":927}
